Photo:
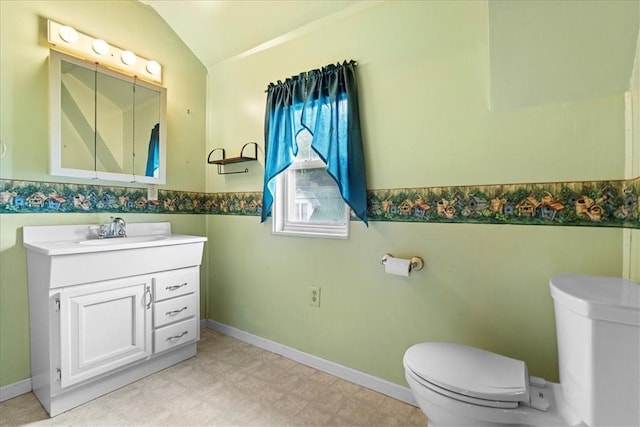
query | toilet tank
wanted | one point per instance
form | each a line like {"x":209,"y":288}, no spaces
{"x":598,"y":333}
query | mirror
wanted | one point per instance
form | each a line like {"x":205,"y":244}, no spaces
{"x":104,"y":124}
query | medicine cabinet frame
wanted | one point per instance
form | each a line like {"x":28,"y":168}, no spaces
{"x":140,"y":147}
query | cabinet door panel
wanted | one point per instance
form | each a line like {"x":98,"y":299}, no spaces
{"x":104,"y":326}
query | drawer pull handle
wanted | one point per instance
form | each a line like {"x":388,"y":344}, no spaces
{"x":175,"y":337}
{"x":174,"y":312}
{"x":174,"y":287}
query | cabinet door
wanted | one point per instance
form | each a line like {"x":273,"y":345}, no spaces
{"x":103,"y":326}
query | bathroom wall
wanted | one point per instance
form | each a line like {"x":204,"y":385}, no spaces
{"x":24,"y":129}
{"x":424,"y":76}
{"x":632,"y":237}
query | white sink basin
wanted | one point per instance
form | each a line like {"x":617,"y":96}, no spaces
{"x":121,"y":240}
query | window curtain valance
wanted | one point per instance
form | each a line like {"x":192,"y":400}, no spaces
{"x":324,"y":102}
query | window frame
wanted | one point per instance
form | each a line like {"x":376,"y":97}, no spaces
{"x":284,"y":201}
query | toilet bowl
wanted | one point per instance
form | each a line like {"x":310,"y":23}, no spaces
{"x":598,"y":328}
{"x":457,"y":385}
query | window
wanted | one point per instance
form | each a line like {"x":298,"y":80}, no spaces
{"x":307,"y":200}
{"x":314,"y":162}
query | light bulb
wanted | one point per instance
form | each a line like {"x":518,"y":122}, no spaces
{"x":100,"y":47}
{"x":128,"y":57}
{"x":68,"y":34}
{"x":153,"y":67}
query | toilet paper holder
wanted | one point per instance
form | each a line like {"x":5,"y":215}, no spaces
{"x":416,"y":263}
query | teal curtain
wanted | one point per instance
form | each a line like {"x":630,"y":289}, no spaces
{"x":153,"y":153}
{"x":325,"y":102}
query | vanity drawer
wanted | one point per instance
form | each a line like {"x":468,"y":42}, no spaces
{"x":175,"y":334}
{"x":175,"y":283}
{"x":175,"y":309}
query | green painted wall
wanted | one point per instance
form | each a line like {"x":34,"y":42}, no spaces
{"x":632,"y":237}
{"x":543,"y":52}
{"x":424,"y":84}
{"x":24,"y":129}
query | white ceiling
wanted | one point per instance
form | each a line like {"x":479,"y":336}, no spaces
{"x":216,"y":30}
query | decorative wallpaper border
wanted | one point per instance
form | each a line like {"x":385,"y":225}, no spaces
{"x":591,"y":203}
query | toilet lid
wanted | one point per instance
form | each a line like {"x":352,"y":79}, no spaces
{"x":469,"y":371}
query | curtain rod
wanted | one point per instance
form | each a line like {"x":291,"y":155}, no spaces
{"x":351,"y":61}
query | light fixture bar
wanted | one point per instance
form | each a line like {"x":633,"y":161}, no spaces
{"x":69,"y":40}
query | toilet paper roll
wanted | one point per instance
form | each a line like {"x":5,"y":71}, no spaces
{"x":397,"y":266}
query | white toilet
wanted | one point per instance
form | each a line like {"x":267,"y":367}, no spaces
{"x":598,"y":332}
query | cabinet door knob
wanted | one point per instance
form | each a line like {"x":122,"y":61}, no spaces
{"x":148,"y":293}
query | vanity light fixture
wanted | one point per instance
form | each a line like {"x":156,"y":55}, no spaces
{"x":128,"y":57}
{"x":69,"y":40}
{"x":68,"y":34}
{"x":100,"y":47}
{"x":153,"y":67}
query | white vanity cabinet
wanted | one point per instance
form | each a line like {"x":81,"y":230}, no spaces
{"x":105,"y":314}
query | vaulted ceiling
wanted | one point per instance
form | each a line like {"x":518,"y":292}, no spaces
{"x":216,"y":30}
{"x":540,"y":51}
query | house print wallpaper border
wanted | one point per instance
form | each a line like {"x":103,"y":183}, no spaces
{"x":591,"y":203}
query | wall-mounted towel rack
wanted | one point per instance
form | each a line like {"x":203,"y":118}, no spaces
{"x":224,"y":161}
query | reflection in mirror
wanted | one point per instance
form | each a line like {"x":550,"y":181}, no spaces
{"x":114,"y":99}
{"x":104,"y":124}
{"x":147,"y":117}
{"x":77,"y":121}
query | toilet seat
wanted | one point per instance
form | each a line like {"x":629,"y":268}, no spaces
{"x":469,"y":374}
{"x":463,"y":398}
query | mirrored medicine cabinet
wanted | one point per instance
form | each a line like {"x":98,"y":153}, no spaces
{"x":104,"y":124}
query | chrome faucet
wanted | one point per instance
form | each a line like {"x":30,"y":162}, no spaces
{"x":117,"y":228}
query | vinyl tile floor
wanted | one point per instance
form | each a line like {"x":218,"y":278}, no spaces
{"x":228,"y":383}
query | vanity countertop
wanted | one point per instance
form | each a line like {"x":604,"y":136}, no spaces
{"x":81,"y":239}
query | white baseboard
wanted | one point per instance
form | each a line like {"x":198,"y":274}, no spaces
{"x":374,"y":383}
{"x":10,"y":391}
{"x":385,"y":387}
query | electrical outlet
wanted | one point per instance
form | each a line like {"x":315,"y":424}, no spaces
{"x":314,"y":296}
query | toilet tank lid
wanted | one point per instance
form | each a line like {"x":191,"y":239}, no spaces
{"x":469,"y":371}
{"x":598,"y":297}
